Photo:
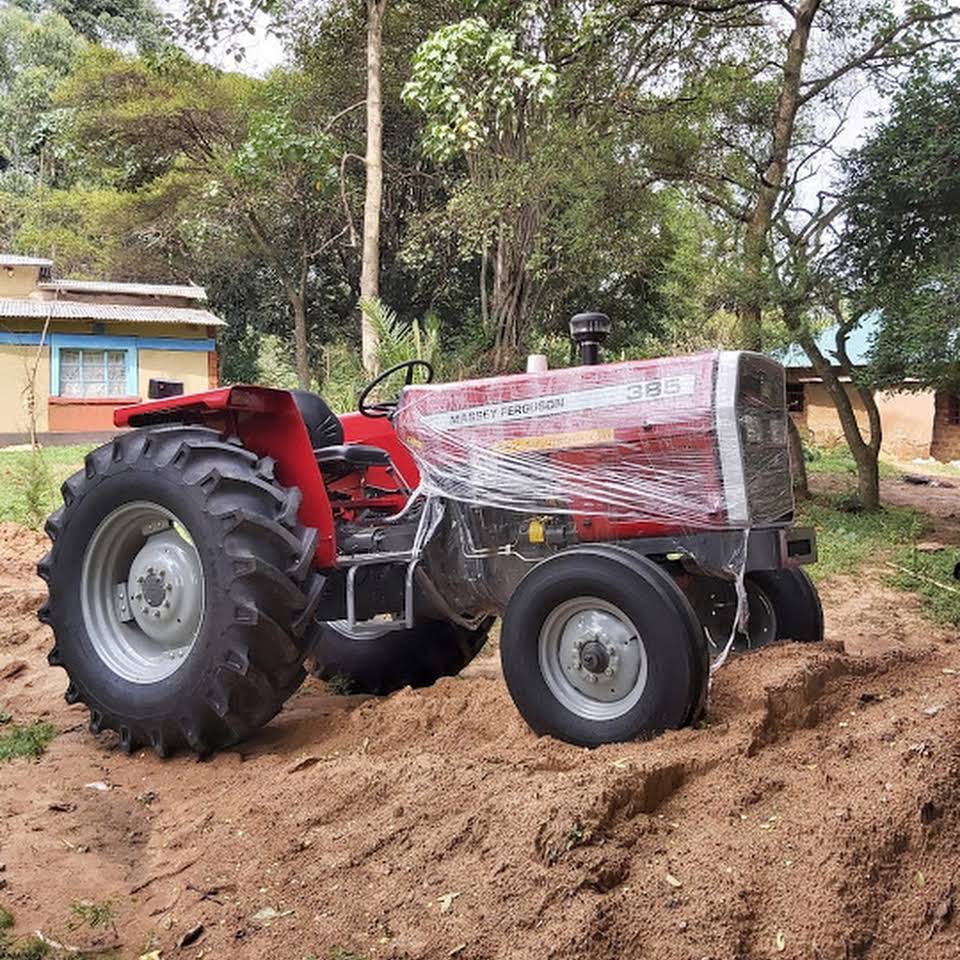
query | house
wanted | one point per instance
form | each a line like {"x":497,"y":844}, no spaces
{"x":95,"y":346}
{"x":916,"y":423}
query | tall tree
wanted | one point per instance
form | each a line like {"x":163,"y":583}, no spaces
{"x":373,"y":164}
{"x":245,"y":153}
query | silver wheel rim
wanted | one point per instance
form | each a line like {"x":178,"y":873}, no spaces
{"x":592,"y":658}
{"x":142,"y":592}
{"x":366,"y":629}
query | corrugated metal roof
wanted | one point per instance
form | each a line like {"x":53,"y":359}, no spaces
{"x":187,"y":291}
{"x":858,"y":344}
{"x":9,"y":260}
{"x":69,"y":310}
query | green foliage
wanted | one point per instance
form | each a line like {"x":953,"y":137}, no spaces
{"x":27,"y":948}
{"x":30,"y":502}
{"x":341,"y":685}
{"x":98,"y":915}
{"x":849,"y":540}
{"x":474,"y":85}
{"x":36,"y":54}
{"x":930,"y":575}
{"x":6,"y":919}
{"x":903,"y":231}
{"x":398,"y":341}
{"x":30,"y":740}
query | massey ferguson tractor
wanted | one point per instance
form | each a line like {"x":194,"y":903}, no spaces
{"x":628,"y":522}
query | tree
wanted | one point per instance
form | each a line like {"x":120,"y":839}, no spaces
{"x":901,"y":243}
{"x":243,"y":151}
{"x":373,"y":164}
{"x":483,"y":99}
{"x":35,"y":56}
{"x":108,"y":21}
{"x":756,"y":156}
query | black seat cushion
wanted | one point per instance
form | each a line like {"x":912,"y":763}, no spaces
{"x":356,"y":455}
{"x":322,"y":423}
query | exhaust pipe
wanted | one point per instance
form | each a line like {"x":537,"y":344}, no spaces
{"x":589,"y":331}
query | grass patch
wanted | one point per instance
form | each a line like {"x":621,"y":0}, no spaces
{"x":838,"y":461}
{"x":6,"y":919}
{"x":939,"y":593}
{"x":29,"y":490}
{"x":25,"y":741}
{"x":846,"y":540}
{"x":341,"y":685}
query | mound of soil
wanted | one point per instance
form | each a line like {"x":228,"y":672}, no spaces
{"x":815,"y":814}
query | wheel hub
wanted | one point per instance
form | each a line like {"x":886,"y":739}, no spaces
{"x":142,"y":614}
{"x":592,"y":658}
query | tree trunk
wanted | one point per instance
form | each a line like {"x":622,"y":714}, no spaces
{"x":761,"y":216}
{"x":300,"y":340}
{"x":370,"y":269}
{"x":864,"y":452}
{"x":798,"y":465}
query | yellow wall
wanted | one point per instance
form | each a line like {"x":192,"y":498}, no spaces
{"x":906,"y":419}
{"x":15,"y":363}
{"x":186,"y":365}
{"x":18,"y":281}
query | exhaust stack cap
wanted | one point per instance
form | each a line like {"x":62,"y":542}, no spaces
{"x":589,"y":331}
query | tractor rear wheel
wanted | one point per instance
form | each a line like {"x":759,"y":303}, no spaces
{"x":378,"y":657}
{"x":600,"y":645}
{"x":180,"y":588}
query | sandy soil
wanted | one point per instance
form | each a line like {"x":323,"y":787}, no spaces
{"x":814,"y":815}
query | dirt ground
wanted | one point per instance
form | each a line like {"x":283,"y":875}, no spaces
{"x":814,"y":815}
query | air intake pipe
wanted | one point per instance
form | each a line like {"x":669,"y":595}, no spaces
{"x":589,"y":331}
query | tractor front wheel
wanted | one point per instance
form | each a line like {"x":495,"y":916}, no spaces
{"x":180,"y":588}
{"x":600,"y":645}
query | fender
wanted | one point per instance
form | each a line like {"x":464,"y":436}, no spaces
{"x":267,"y":422}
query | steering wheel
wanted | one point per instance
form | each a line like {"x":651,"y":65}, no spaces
{"x":385,"y":408}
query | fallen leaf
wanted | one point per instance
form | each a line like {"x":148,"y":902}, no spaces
{"x":920,"y":878}
{"x":932,"y":711}
{"x":673,"y":881}
{"x":97,"y":785}
{"x":780,"y":942}
{"x":446,"y":901}
{"x":621,"y":764}
{"x":152,"y":955}
{"x":268,"y":914}
{"x":457,"y":949}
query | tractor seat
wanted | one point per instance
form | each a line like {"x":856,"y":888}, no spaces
{"x":357,"y":456}
{"x":323,"y":425}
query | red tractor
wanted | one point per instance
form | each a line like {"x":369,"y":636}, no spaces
{"x":628,"y":522}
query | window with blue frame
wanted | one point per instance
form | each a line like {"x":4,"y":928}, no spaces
{"x":85,"y":366}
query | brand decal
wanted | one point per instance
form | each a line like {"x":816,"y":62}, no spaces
{"x":614,"y":395}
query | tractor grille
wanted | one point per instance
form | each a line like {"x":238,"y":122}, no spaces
{"x":762,"y":423}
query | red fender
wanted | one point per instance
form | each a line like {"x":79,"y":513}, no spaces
{"x":268,"y":422}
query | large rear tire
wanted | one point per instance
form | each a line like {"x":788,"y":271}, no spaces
{"x":180,"y":588}
{"x":599,"y":645}
{"x":379,"y":659}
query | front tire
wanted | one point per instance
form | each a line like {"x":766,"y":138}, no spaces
{"x":180,"y":588}
{"x":599,"y":645}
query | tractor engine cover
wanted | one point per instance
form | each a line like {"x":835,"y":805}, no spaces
{"x":640,"y":448}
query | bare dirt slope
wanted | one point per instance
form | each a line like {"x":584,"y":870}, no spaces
{"x":816,"y":815}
